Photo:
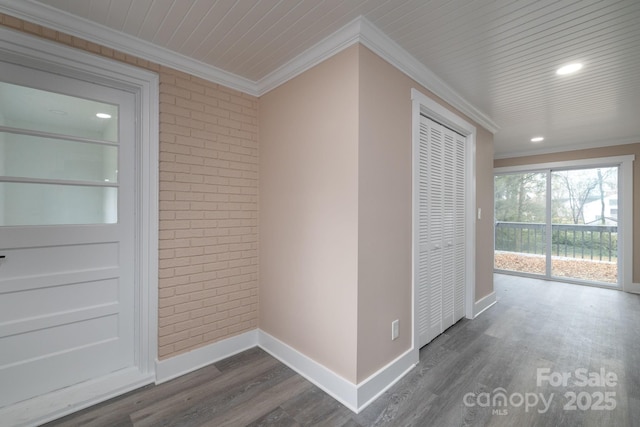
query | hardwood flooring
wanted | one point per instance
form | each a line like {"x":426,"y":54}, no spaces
{"x":535,"y":324}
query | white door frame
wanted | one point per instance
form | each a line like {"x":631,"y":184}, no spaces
{"x":423,"y":105}
{"x":26,"y":50}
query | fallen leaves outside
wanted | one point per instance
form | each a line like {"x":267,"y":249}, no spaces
{"x":597,"y":271}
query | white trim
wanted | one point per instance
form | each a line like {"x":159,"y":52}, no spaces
{"x":148,"y":223}
{"x":379,"y":382}
{"x":442,"y":114}
{"x":62,"y":21}
{"x":51,"y":406}
{"x":484,"y":304}
{"x":415,"y":218}
{"x":341,"y":39}
{"x":625,"y":189}
{"x":341,"y":389}
{"x":421,"y":104}
{"x":181,"y":364}
{"x":625,"y":209}
{"x":355,"y":397}
{"x":564,"y":148}
{"x":569,"y":164}
{"x":373,"y":38}
{"x":359,"y":30}
{"x":634,"y":288}
{"x":548,"y":225}
{"x":31,"y":51}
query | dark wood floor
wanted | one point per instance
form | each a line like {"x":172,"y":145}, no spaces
{"x":536,"y":324}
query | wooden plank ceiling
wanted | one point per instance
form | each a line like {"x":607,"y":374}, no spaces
{"x":500,"y":55}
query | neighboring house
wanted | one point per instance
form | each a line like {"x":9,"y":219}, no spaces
{"x":592,"y":211}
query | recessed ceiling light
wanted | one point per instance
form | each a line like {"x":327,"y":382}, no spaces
{"x":103,"y":115}
{"x":569,"y":68}
{"x":537,"y":139}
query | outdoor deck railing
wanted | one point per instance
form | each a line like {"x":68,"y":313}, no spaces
{"x":594,"y":242}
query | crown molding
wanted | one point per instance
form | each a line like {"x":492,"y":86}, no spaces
{"x":565,"y":148}
{"x":359,"y":30}
{"x":341,"y":39}
{"x":59,"y":20}
{"x":378,"y":42}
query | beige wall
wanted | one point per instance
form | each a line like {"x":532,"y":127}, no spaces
{"x":309,"y":212}
{"x":618,"y":150}
{"x":386,"y":135}
{"x":385,"y":211}
{"x":335,"y":171}
{"x":366,"y":185}
{"x":385,"y":217}
{"x":208,"y":203}
{"x":484,"y":201}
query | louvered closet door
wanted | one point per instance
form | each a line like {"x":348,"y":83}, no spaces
{"x":430,"y":231}
{"x":448,"y":214}
{"x":441,"y":229}
{"x":459,"y":239}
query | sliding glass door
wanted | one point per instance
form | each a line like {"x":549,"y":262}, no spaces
{"x":520,"y":215}
{"x":558,"y":223}
{"x":584,"y":224}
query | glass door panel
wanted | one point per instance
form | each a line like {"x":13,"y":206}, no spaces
{"x":47,"y":112}
{"x":29,"y":156}
{"x":51,"y":204}
{"x":584,"y":222}
{"x":58,"y":158}
{"x":520,"y":229}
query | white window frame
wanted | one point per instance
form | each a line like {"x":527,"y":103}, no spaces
{"x":30,"y":51}
{"x":625,"y":203}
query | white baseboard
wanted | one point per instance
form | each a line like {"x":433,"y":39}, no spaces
{"x":342,"y":390}
{"x":484,"y":303}
{"x":355,"y":397}
{"x":634,"y":288}
{"x":187,"y":362}
{"x":51,"y":406}
{"x":371,"y":388}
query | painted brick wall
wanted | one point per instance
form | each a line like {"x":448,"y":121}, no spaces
{"x":208,"y":203}
{"x":208,"y":212}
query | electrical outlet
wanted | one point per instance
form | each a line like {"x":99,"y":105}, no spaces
{"x":395,"y":329}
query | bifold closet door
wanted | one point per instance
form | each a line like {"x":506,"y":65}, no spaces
{"x":441,"y":233}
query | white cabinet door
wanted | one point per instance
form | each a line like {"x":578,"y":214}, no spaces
{"x":441,"y":232}
{"x":66,"y":232}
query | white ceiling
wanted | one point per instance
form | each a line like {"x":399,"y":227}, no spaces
{"x":499,"y":55}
